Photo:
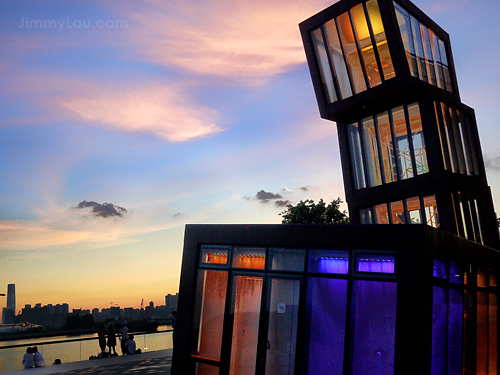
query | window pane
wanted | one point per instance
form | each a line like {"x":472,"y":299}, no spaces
{"x":444,"y":62}
{"x":358,"y":170}
{"x":247,"y":257}
{"x":458,"y":141}
{"x":398,"y":213}
{"x":482,"y":333}
{"x":371,"y":153}
{"x":351,"y":52}
{"x":375,"y":263}
{"x":407,"y":36}
{"x":482,"y":277}
{"x":455,"y":314}
{"x":439,"y":333}
{"x":402,"y":144}
{"x":464,"y":136}
{"x":287,"y":259}
{"x":429,"y":61}
{"x":366,"y":45}
{"x":325,"y":325}
{"x":419,"y":49}
{"x":387,"y":147}
{"x":439,"y":269}
{"x":323,"y":65}
{"x":414,"y":211}
{"x":431,"y":211}
{"x":442,"y":136}
{"x":380,"y":39}
{"x":374,"y":321}
{"x":209,"y":311}
{"x":478,"y":221}
{"x":449,"y":137}
{"x":493,"y":334}
{"x":337,"y":57}
{"x":437,"y":60}
{"x":456,"y":273}
{"x":329,"y":261}
{"x":417,"y":136}
{"x":203,"y":369}
{"x":214,"y":254}
{"x":381,"y":214}
{"x":365,"y":216}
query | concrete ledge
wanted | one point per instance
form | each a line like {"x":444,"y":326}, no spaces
{"x":82,"y":365}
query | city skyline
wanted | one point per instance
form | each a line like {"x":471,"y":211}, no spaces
{"x":121,"y":123}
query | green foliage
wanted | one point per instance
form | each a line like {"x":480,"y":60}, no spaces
{"x":307,"y":212}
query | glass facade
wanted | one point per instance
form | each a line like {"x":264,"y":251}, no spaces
{"x":408,"y":211}
{"x":352,"y":52}
{"x":425,"y":52}
{"x":243,"y":301}
{"x":387,"y":147}
{"x":467,"y":217}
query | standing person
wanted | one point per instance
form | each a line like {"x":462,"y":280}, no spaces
{"x":123,"y":331}
{"x":112,"y":339}
{"x":102,"y":338}
{"x":38,"y":357}
{"x":28,"y":358}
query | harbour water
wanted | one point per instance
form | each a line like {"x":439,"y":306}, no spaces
{"x":74,"y":348}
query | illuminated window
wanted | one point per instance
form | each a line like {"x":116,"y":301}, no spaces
{"x":214,"y":254}
{"x":249,"y":257}
{"x":375,"y":263}
{"x":329,"y":261}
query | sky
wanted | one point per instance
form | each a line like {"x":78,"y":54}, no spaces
{"x":123,"y":121}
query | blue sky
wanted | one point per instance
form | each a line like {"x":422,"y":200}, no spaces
{"x":179,"y":112}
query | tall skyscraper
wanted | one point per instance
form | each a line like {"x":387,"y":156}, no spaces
{"x":11,"y":297}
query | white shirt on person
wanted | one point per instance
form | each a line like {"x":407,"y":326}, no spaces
{"x":39,"y":361}
{"x":123,"y":333}
{"x":131,"y":347}
{"x":28,"y":360}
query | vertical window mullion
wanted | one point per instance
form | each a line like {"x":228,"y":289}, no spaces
{"x":379,"y":147}
{"x":394,"y":145}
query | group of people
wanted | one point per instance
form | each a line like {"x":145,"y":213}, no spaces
{"x":33,"y":358}
{"x":127,"y":343}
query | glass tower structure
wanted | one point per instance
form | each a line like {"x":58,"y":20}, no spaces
{"x":410,"y":150}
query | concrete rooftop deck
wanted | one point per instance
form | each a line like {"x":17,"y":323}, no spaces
{"x":156,"y":362}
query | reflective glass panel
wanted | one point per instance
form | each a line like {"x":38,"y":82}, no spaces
{"x":366,"y":45}
{"x":456,"y":272}
{"x":358,"y":170}
{"x":439,"y":331}
{"x":365,"y":216}
{"x":402,"y":144}
{"x":325,"y":325}
{"x":323,"y":65}
{"x":374,"y":327}
{"x":429,"y":61}
{"x":431,"y":211}
{"x":329,"y":261}
{"x":371,"y":153}
{"x":439,"y":269}
{"x":209,"y":311}
{"x":449,"y":137}
{"x":214,"y":254}
{"x":458,"y":141}
{"x":407,"y":36}
{"x":398,"y":213}
{"x":417,"y":136}
{"x":248,"y":257}
{"x":478,"y":221}
{"x":437,"y":60}
{"x":287,"y":259}
{"x":351,"y":52}
{"x":419,"y":49}
{"x":387,"y":148}
{"x":337,"y":57}
{"x":380,"y":39}
{"x":455,"y":314}
{"x":381,"y":214}
{"x":444,"y":62}
{"x":375,"y":263}
{"x":466,"y":143}
{"x":442,"y":137}
{"x":247,"y":294}
{"x":414,"y":211}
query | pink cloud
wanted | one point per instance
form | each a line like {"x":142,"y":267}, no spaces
{"x":239,"y":39}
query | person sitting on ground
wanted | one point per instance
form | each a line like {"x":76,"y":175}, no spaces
{"x":130,"y":345}
{"x":28,"y":359}
{"x":39,"y":361}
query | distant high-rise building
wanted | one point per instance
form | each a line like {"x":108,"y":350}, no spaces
{"x":171,"y":301}
{"x":11,"y":297}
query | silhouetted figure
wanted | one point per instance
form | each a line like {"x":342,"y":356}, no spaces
{"x":174,"y":322}
{"x":112,"y":339}
{"x":130,"y":346}
{"x":102,"y":338}
{"x":123,"y":331}
{"x":39,"y":361}
{"x":28,"y":358}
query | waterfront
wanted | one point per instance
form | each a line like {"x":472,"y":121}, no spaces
{"x":74,"y":348}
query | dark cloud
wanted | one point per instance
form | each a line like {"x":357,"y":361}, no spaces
{"x":304,"y":188}
{"x":177,"y":214}
{"x":281,"y":203}
{"x":103,"y":210}
{"x":492,"y":164}
{"x":264,"y":196}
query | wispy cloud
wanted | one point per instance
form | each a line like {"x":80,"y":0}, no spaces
{"x":492,"y":163}
{"x":239,"y":39}
{"x":447,"y":5}
{"x":160,"y":111}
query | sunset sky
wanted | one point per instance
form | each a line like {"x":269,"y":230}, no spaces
{"x":172,"y":112}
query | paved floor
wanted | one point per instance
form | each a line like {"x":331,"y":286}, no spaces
{"x":146,"y":363}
